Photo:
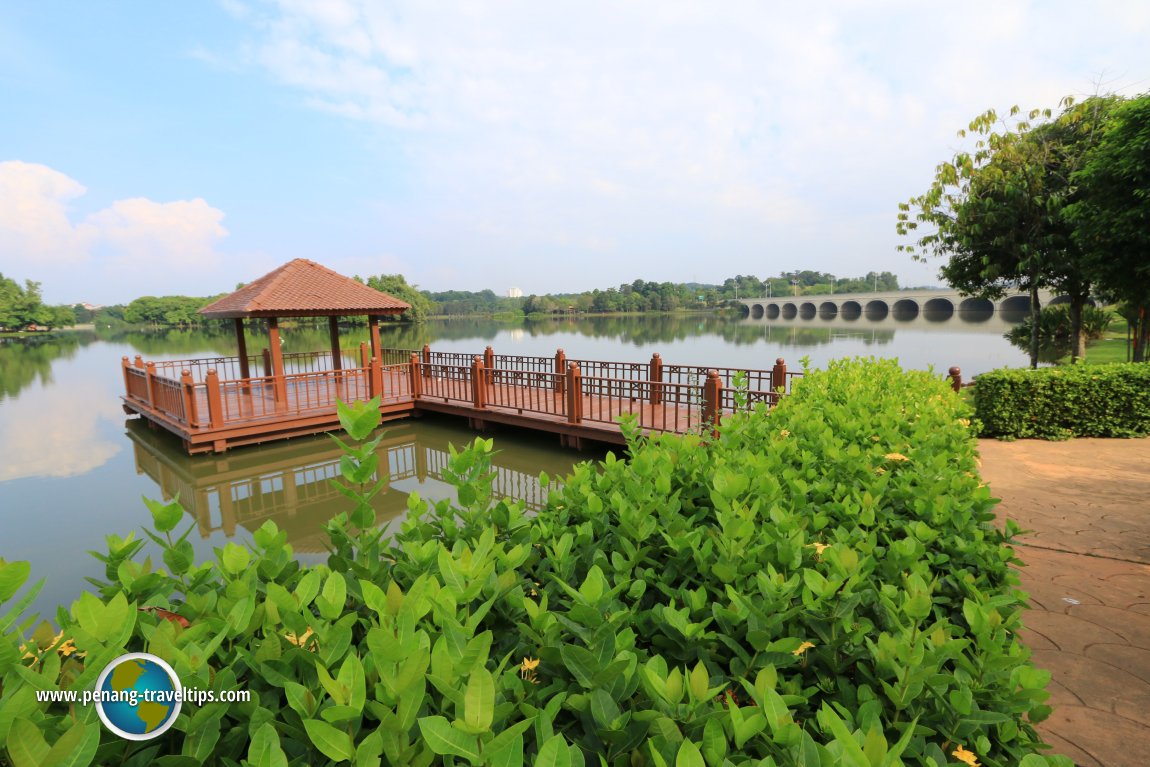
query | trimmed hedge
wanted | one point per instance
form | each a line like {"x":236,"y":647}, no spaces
{"x":822,"y":585}
{"x":1064,"y":402}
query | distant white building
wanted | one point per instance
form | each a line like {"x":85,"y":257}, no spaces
{"x":514,"y":293}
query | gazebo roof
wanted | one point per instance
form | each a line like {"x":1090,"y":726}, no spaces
{"x":303,"y":288}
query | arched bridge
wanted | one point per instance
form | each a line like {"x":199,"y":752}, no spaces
{"x":931,"y":305}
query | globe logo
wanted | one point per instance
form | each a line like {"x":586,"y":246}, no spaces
{"x":138,"y":696}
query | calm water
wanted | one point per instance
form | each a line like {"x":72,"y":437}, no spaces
{"x":73,"y":468}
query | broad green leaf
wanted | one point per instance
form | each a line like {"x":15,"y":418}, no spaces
{"x":554,"y":753}
{"x":165,"y":516}
{"x":581,"y":663}
{"x":479,"y":700}
{"x":26,"y":746}
{"x":333,"y":743}
{"x":75,"y":748}
{"x":445,"y":740}
{"x":689,"y":756}
{"x":13,"y":575}
{"x":265,"y":750}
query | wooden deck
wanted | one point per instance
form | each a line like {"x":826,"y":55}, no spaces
{"x":577,"y":399}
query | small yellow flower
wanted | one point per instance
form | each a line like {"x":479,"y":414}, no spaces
{"x":784,"y":433}
{"x":302,"y":640}
{"x":802,"y":648}
{"x":966,"y":757}
{"x":880,"y":470}
{"x":896,"y":457}
{"x":964,"y":421}
{"x":819,"y":548}
{"x":527,"y":670}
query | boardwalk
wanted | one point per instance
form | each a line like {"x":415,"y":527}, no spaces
{"x":210,"y":407}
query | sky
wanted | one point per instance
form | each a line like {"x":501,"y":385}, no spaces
{"x":157,"y":148}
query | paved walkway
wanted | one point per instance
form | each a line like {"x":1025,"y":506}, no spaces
{"x":1087,"y":505}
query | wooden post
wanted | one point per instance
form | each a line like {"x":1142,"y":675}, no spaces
{"x":560,"y":370}
{"x":488,"y":364}
{"x":364,"y":355}
{"x":478,"y":376}
{"x":655,"y":375}
{"x":139,"y":362}
{"x":426,"y":361}
{"x":333,"y":333}
{"x":190,"y":415}
{"x":127,"y":380}
{"x":376,"y":378}
{"x":712,"y":402}
{"x":215,"y":402}
{"x":414,"y":377}
{"x":373,"y":325}
{"x":779,"y":376}
{"x":267,"y":363}
{"x":242,"y":349}
{"x":150,"y":377}
{"x":277,"y":361}
{"x":574,"y":385}
{"x":955,"y":374}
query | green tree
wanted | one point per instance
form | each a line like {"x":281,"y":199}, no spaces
{"x":998,"y":213}
{"x":1111,"y":216}
{"x":396,"y":285}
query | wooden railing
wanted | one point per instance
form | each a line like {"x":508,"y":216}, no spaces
{"x":661,"y":397}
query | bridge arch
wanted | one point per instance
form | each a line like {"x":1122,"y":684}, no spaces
{"x":975,"y":309}
{"x":757,"y":311}
{"x":790,"y":311}
{"x":905,"y":309}
{"x":828,"y":310}
{"x":937,"y":310}
{"x":876,"y":310}
{"x":850,"y":310}
{"x":1015,"y":308}
{"x":772,"y":311}
{"x":807,"y":310}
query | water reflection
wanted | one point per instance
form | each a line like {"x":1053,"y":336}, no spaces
{"x":41,"y":433}
{"x":24,"y":361}
{"x":289,"y":482}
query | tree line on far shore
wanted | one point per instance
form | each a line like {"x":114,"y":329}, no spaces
{"x":637,"y":296}
{"x":22,"y":308}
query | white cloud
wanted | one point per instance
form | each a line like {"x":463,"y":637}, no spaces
{"x":748,"y":126}
{"x":34,"y":216}
{"x":132,"y":241}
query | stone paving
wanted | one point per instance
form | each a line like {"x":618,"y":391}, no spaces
{"x":1086,"y":503}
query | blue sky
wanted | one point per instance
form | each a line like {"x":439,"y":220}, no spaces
{"x":158,"y":148}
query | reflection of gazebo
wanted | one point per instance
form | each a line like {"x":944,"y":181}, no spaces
{"x":302,"y":288}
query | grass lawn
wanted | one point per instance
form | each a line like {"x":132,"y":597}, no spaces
{"x":1111,"y":347}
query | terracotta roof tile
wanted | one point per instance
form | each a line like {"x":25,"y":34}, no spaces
{"x":303,"y":288}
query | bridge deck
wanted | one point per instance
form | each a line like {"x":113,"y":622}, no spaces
{"x":212,"y":414}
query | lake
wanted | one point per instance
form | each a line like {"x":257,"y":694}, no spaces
{"x":73,"y":468}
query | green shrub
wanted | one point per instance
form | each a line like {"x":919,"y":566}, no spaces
{"x":822,"y":585}
{"x":1058,"y":403}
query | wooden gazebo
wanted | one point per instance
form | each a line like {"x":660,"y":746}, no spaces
{"x":302,"y":288}
{"x":216,"y":403}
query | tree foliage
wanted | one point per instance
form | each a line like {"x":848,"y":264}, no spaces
{"x":396,"y":285}
{"x":1112,"y":214}
{"x":999,"y":213}
{"x":23,"y":306}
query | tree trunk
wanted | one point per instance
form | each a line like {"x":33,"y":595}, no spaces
{"x":1034,"y":311}
{"x":1077,"y":337}
{"x":1141,"y":335}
